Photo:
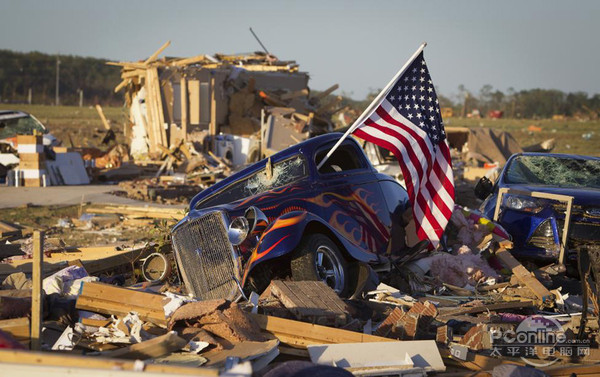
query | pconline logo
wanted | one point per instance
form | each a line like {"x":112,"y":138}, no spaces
{"x":538,"y":341}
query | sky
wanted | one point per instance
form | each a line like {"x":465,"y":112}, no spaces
{"x":358,"y":44}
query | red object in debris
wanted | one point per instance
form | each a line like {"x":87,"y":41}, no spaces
{"x":8,"y":342}
{"x":495,"y":114}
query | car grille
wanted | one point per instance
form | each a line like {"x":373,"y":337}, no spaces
{"x":206,"y":259}
{"x":581,"y":233}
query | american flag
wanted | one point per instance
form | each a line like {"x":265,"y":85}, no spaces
{"x":408,"y":122}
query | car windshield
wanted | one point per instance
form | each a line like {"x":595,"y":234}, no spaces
{"x":282,"y":173}
{"x":554,"y":171}
{"x":11,"y":125}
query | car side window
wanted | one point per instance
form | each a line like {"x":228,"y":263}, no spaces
{"x":345,"y":158}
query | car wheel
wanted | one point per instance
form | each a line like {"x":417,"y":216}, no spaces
{"x":316,"y":258}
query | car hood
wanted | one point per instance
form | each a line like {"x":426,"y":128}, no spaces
{"x":582,"y":196}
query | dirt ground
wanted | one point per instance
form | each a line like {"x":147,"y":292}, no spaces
{"x":109,"y":232}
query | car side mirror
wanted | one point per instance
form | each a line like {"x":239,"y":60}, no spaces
{"x":484,"y":188}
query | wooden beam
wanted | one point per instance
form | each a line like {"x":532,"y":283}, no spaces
{"x":486,"y":308}
{"x":133,"y":73}
{"x":36,"y":291}
{"x":104,"y":120}
{"x":300,"y":334}
{"x":188,"y":61}
{"x":121,"y":85}
{"x":326,"y":92}
{"x":55,"y":359}
{"x":156,"y":53}
{"x":212,"y":129}
{"x":545,"y":297}
{"x":184,"y":107}
{"x":108,"y":299}
{"x":127,"y":65}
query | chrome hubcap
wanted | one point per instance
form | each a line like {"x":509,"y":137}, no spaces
{"x":329,"y":268}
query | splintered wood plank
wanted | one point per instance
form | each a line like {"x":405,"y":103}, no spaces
{"x":107,"y":299}
{"x":525,"y":277}
{"x":310,"y":300}
{"x":36,"y":290}
{"x":301,"y":334}
{"x":80,"y":365}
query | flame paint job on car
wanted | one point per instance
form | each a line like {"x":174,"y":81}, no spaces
{"x":349,"y":204}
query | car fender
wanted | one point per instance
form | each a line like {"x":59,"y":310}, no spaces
{"x":284,"y":234}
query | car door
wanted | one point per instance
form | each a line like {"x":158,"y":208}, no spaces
{"x":398,"y":204}
{"x":350,"y":198}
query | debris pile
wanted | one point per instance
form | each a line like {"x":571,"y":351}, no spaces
{"x":446,"y":315}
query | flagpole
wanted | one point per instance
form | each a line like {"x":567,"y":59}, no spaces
{"x":365,"y":114}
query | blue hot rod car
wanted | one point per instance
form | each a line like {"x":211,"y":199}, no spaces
{"x":536,"y":223}
{"x":283,"y":217}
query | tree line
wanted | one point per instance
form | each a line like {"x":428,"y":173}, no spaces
{"x":21,"y":73}
{"x":32,"y":75}
{"x":527,"y":104}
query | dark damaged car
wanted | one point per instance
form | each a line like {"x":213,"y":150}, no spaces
{"x":281,"y":217}
{"x":536,"y":223}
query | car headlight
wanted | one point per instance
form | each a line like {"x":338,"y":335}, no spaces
{"x":523,"y":203}
{"x":253,"y":223}
{"x":238,"y":230}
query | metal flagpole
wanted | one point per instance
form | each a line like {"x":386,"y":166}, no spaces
{"x":369,"y":110}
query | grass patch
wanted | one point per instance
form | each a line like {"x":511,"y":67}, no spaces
{"x":567,"y":133}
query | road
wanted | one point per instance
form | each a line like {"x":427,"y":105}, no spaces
{"x":11,"y":197}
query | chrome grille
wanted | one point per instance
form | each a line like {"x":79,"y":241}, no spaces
{"x":206,"y":258}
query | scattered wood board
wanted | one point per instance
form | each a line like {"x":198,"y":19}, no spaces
{"x":545,"y":297}
{"x":108,"y":299}
{"x":94,"y":259}
{"x":133,"y":211}
{"x":79,"y":365}
{"x":300,"y":334}
{"x":486,"y":308}
{"x":312,"y":301}
{"x":17,"y":327}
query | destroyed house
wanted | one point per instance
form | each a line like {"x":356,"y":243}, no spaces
{"x":172,"y":98}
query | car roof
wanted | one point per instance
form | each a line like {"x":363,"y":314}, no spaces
{"x":9,"y":114}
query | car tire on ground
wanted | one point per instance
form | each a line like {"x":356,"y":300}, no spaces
{"x":316,"y":258}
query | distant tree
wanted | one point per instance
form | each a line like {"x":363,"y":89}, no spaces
{"x":21,"y":71}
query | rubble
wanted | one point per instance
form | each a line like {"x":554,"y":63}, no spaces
{"x":141,"y":323}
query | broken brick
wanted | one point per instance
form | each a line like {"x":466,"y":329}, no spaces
{"x":477,"y":338}
{"x":386,"y":326}
{"x":444,"y":334}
